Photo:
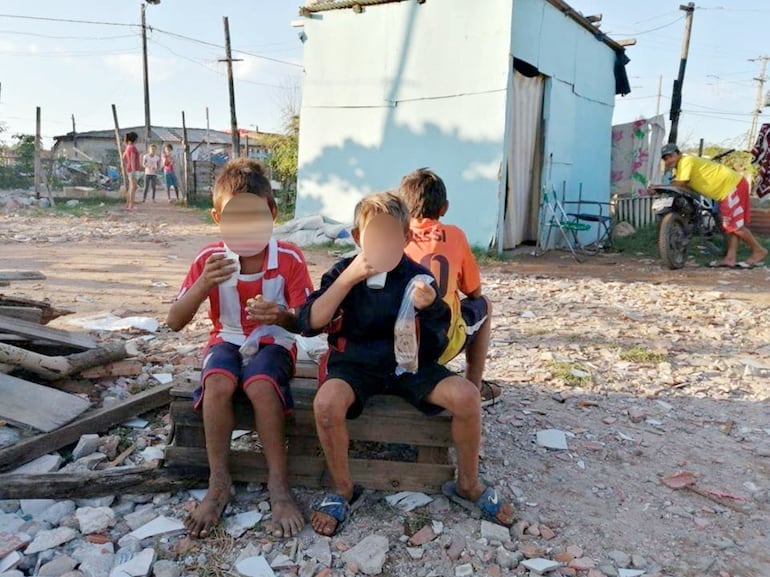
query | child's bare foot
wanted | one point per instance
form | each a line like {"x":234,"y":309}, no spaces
{"x":757,"y":258}
{"x":287,"y":518}
{"x":206,"y":515}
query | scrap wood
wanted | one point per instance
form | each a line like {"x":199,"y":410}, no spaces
{"x":47,"y":310}
{"x":686,"y":480}
{"x":36,"y":331}
{"x":86,"y":484}
{"x":97,"y":421}
{"x":53,"y":368}
{"x":34,"y":406}
{"x":31,"y":314}
{"x":14,"y":275}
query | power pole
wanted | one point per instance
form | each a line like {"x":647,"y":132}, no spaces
{"x":208,"y":135}
{"x":676,"y":98}
{"x":74,"y":133}
{"x":146,"y":83}
{"x":236,"y":141}
{"x":38,"y":147}
{"x":660,"y":93}
{"x":758,"y":105}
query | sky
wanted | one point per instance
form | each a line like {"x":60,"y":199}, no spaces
{"x":70,"y":68}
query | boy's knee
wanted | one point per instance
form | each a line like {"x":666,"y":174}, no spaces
{"x":329,"y":406}
{"x":465,"y":397}
{"x":219,"y":386}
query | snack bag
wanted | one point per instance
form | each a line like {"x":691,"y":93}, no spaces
{"x":407,"y":346}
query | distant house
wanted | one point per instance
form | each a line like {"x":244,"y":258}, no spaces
{"x":100,"y":145}
{"x":503,"y":99}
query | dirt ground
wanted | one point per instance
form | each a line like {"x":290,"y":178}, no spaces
{"x":630,"y":423}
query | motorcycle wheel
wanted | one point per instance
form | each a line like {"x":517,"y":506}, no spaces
{"x":673,"y":241}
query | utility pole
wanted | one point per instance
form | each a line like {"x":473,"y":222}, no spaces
{"x":236,"y":141}
{"x":208,"y":135}
{"x":760,"y":97}
{"x":74,"y":133}
{"x":146,"y":82}
{"x":660,"y":93}
{"x":38,"y":147}
{"x":676,"y":98}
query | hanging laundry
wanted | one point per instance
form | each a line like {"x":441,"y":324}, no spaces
{"x":635,"y":162}
{"x":760,"y":155}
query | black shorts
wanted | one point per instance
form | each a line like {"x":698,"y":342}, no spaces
{"x":366,"y":381}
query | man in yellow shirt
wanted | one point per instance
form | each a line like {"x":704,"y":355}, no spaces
{"x":729,"y":189}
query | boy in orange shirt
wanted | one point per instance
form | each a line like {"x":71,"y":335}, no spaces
{"x":444,"y":249}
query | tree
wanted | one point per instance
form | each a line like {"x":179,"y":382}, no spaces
{"x":283,"y":153}
{"x":738,"y":160}
{"x":25,"y":153}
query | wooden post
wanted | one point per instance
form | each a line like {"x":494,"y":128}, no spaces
{"x":37,"y":153}
{"x":676,"y":97}
{"x":186,"y":162}
{"x":146,"y":76}
{"x":74,"y":133}
{"x":236,"y":144}
{"x":700,"y":148}
{"x":120,"y":148}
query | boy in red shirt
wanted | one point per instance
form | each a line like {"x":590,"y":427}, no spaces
{"x":279,"y":275}
{"x":444,"y":250}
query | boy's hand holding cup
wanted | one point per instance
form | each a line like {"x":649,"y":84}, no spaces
{"x":219,"y":269}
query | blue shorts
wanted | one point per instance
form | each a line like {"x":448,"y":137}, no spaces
{"x":271,"y":363}
{"x":170,"y":179}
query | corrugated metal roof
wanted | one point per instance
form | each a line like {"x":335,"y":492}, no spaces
{"x":157,"y":133}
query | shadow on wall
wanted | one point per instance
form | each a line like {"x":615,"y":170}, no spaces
{"x":339,"y":176}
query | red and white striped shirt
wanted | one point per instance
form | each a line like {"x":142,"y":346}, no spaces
{"x":284,"y":279}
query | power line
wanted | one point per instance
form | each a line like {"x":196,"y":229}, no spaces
{"x":648,"y":31}
{"x":132,"y":25}
{"x":222,"y":47}
{"x":69,"y":20}
{"x":116,"y":37}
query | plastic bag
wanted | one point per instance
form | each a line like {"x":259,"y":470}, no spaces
{"x":406,"y":345}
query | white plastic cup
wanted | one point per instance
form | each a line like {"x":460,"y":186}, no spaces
{"x":377,"y":281}
{"x":233,"y":280}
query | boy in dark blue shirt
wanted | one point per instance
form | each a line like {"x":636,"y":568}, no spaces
{"x":361,"y":363}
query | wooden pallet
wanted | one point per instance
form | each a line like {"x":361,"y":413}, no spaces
{"x":386,"y":419}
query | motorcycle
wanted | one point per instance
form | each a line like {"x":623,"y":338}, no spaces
{"x":683,"y":215}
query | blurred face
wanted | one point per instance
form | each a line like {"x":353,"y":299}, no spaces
{"x":152,"y":149}
{"x":670,"y":160}
{"x":245,"y":222}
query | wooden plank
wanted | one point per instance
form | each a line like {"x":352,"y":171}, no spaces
{"x":303,"y":390}
{"x":95,"y":422}
{"x":14,"y":275}
{"x":31,"y":405}
{"x":31,"y":314}
{"x":48,"y":311}
{"x":34,"y":330}
{"x":374,"y":424}
{"x":310,"y":472}
{"x":86,"y":484}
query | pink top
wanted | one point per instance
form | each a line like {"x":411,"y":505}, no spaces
{"x":168,"y":163}
{"x":131,"y":158}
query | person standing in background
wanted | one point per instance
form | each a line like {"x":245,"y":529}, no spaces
{"x":169,"y":175}
{"x":151,"y":163}
{"x":131,"y":163}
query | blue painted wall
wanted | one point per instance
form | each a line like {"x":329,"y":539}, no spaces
{"x":579,"y":97}
{"x":402,"y":85}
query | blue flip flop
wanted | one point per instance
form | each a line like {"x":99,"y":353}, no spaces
{"x":489,"y":503}
{"x":337,"y":507}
